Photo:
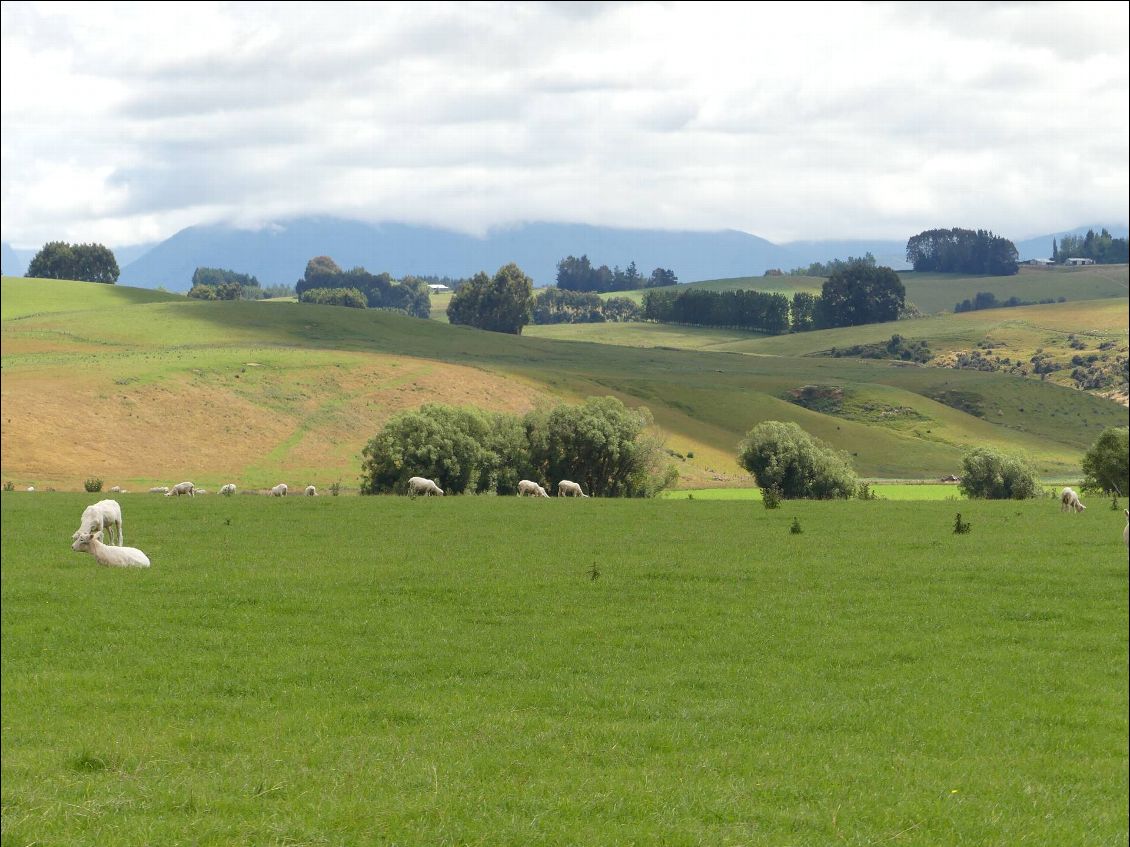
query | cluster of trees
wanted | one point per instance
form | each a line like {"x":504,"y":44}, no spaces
{"x":350,"y":297}
{"x":575,"y":274}
{"x":858,"y":294}
{"x":502,"y":303}
{"x":85,"y":262}
{"x":409,"y":296}
{"x":988,"y":300}
{"x":790,"y":463}
{"x":753,"y":310}
{"x":601,"y":444}
{"x":224,"y":284}
{"x":1103,"y":248}
{"x":833,"y":265}
{"x":556,"y":306}
{"x":962,"y":251}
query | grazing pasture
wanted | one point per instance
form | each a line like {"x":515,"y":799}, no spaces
{"x":470,"y":670}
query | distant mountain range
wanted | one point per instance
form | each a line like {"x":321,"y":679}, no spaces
{"x":278,"y":253}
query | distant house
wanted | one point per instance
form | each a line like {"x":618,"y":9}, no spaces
{"x":1079,"y":261}
{"x":437,"y":288}
{"x":1042,"y":263}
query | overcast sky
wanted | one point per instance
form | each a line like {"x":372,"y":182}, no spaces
{"x":125,"y":123}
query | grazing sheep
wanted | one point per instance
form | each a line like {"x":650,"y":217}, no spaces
{"x":117,"y":489}
{"x":181,"y":488}
{"x":529,"y":488}
{"x":105,"y":514}
{"x":160,"y":489}
{"x":228,"y":490}
{"x":1069,"y":502}
{"x":109,"y":555}
{"x":419,"y":485}
{"x":311,"y":491}
{"x":565,"y":488}
{"x":279,"y":490}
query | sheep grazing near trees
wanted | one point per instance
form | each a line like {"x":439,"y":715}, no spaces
{"x":529,"y":488}
{"x":279,"y":490}
{"x":100,"y":516}
{"x":566,"y":488}
{"x":419,"y":485}
{"x":181,"y":488}
{"x":311,"y":491}
{"x":109,"y":555}
{"x":1069,"y":502}
{"x":228,"y":490}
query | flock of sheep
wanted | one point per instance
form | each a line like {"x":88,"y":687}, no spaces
{"x":526,"y":488}
{"x":105,"y":516}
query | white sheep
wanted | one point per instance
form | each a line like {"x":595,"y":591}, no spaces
{"x":109,"y":555}
{"x":1069,"y":502}
{"x":419,"y":485}
{"x":279,"y":490}
{"x":181,"y":488}
{"x":228,"y":490}
{"x":100,"y":516}
{"x":311,"y":491}
{"x":160,"y":489}
{"x":565,"y":488}
{"x":31,"y":488}
{"x":529,"y":488}
{"x":117,"y":489}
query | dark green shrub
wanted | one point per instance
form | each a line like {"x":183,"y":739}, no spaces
{"x":785,"y":457}
{"x":93,"y":484}
{"x":991,"y":475}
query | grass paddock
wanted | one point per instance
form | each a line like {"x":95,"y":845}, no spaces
{"x":511,"y":671}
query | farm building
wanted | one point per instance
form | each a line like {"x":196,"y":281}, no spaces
{"x":437,"y":288}
{"x":1079,"y":261}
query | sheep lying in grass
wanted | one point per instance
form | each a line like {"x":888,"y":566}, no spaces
{"x":160,"y":489}
{"x":529,"y":488}
{"x":566,"y":488}
{"x":109,"y":555}
{"x":419,"y":485}
{"x":279,"y":490}
{"x":100,"y":516}
{"x":228,"y":490}
{"x":181,"y":488}
{"x":1069,"y":502}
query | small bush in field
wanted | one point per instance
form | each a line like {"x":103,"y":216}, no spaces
{"x":93,"y":484}
{"x":771,"y":497}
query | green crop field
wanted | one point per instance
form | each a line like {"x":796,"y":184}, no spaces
{"x":483,"y":670}
{"x":259,"y":393}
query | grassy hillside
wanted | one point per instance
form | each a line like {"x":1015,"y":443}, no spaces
{"x":1062,"y":333}
{"x":259,"y":393}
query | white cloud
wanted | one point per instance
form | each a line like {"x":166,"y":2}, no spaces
{"x":126,"y":122}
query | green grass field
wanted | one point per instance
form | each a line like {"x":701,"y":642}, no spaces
{"x":509,"y":671}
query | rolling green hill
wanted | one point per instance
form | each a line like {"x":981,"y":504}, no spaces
{"x":152,"y":392}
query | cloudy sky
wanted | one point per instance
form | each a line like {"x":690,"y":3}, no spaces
{"x":123,"y":123}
